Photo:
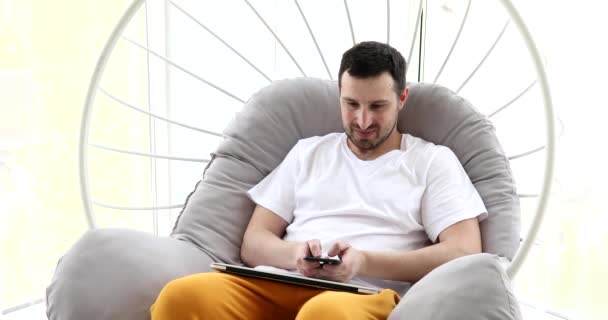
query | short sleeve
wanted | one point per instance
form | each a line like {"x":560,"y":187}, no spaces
{"x":449,"y":197}
{"x":276,"y":192}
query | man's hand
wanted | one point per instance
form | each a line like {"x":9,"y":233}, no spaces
{"x":310,"y":248}
{"x":352,"y":261}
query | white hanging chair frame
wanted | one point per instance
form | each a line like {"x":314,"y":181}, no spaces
{"x":134,"y":7}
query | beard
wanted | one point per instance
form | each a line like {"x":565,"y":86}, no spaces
{"x":369,"y":144}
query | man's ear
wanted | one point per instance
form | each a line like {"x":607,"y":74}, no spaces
{"x":403,"y":97}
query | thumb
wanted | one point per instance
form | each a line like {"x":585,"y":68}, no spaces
{"x":338,"y":248}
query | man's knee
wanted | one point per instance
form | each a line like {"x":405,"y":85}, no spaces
{"x":189,"y":294}
{"x":341,"y":305}
{"x":324,"y":306}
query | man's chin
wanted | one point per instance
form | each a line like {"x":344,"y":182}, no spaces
{"x":363,"y":144}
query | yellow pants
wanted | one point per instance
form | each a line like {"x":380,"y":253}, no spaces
{"x":217,"y":295}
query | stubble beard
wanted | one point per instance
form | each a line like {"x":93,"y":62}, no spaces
{"x":366,"y":144}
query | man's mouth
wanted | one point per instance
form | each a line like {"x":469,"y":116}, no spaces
{"x":364,"y":133}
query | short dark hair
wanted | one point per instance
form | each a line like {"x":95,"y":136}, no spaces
{"x":370,"y":59}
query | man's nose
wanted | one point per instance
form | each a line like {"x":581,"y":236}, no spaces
{"x":364,"y":120}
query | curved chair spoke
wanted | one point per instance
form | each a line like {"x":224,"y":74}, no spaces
{"x":87,"y":111}
{"x":21,"y":306}
{"x":527,"y":153}
{"x":350,"y":22}
{"x":137,"y":208}
{"x":123,"y":103}
{"x":388,"y":21}
{"x":550,"y":129}
{"x":512,"y":100}
{"x":447,"y":58}
{"x":220,"y":40}
{"x":146,"y":154}
{"x":502,"y":32}
{"x":527,"y":195}
{"x":276,"y":37}
{"x":314,"y":39}
{"x":169,"y":61}
{"x":416,"y":26}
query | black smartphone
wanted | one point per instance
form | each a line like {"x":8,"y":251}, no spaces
{"x":323,"y":260}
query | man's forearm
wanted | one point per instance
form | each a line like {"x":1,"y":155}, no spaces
{"x":409,"y":266}
{"x":262,"y":247}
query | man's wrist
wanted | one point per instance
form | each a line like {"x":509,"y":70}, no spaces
{"x":294,"y":249}
{"x":364,"y":263}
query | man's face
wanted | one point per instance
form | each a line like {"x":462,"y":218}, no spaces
{"x":370,"y":108}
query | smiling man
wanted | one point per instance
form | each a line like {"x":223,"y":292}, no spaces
{"x":390,"y":205}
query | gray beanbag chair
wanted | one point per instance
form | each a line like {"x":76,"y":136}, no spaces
{"x":116,"y":274}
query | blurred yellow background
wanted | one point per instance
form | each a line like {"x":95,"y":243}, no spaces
{"x":48,"y":51}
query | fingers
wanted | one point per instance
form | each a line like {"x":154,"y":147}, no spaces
{"x":311,"y":272}
{"x":307,"y":268}
{"x":344,"y":271}
{"x":338,"y":248}
{"x":323,"y":272}
{"x":339,"y":273}
{"x":314,"y":246}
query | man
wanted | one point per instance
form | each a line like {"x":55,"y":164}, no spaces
{"x":391,"y":206}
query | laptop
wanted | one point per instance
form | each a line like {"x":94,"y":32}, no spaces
{"x":291,"y":278}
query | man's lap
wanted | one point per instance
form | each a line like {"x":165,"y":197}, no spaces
{"x":224,"y":295}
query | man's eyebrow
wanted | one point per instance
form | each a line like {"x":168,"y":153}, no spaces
{"x":380,"y":101}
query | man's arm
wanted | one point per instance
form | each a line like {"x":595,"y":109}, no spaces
{"x":460,"y":239}
{"x":263,"y":244}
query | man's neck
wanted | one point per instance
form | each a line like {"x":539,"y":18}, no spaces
{"x":392,"y":143}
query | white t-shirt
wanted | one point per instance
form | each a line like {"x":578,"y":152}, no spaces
{"x":400,"y":201}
